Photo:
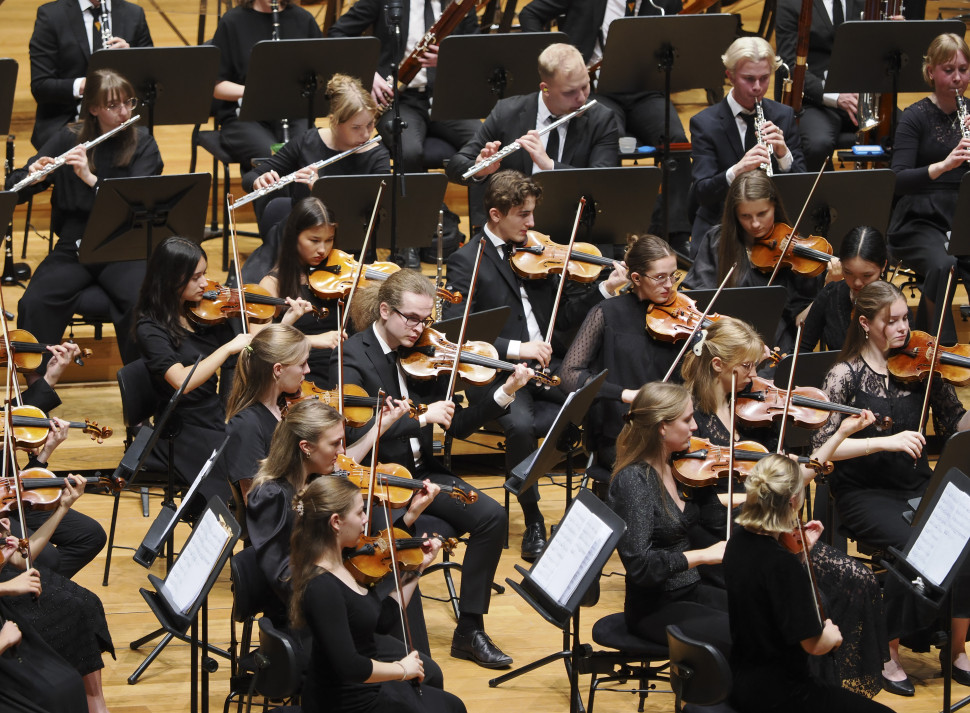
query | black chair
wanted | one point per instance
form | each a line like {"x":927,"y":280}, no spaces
{"x":211,"y":141}
{"x":281,"y":664}
{"x":93,"y":308}
{"x":250,"y":591}
{"x":699,"y":674}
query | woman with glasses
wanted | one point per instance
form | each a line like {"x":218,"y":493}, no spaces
{"x":52,"y":294}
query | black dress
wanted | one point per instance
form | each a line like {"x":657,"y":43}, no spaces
{"x":250,"y":432}
{"x":343,"y":624}
{"x":772,"y":612}
{"x":828,"y":319}
{"x":319,"y":359}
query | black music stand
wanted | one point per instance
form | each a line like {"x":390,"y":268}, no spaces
{"x":174,"y":83}
{"x":351,"y":201}
{"x":288,"y":78}
{"x":8,"y":203}
{"x":8,"y":86}
{"x":955,"y":454}
{"x":842,"y":201}
{"x":883,"y":57}
{"x":755,"y":305}
{"x":960,"y":227}
{"x":557,"y":583}
{"x":482,"y":326}
{"x":475,"y":71}
{"x":133,"y":216}
{"x":668,"y":54}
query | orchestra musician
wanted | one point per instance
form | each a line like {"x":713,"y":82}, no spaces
{"x":66,"y":34}
{"x":776,"y":625}
{"x":510,"y":199}
{"x":589,"y":140}
{"x":48,"y":302}
{"x":724,"y":140}
{"x":930,"y":157}
{"x":398,"y":313}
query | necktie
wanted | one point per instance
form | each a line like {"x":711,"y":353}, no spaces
{"x":552,"y":145}
{"x":428,"y":22}
{"x":393,"y":388}
{"x":750,"y":139}
{"x":507,"y":251}
{"x":631,"y":8}
{"x":96,"y":43}
{"x":838,"y":16}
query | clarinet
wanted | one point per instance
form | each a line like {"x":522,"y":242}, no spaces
{"x":439,"y":283}
{"x":759,"y":120}
{"x":962,"y":116}
{"x":275,"y":7}
{"x":105,"y":24}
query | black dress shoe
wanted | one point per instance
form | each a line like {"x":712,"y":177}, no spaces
{"x":959,"y":675}
{"x":899,"y":688}
{"x":533,"y":541}
{"x":479,"y":648}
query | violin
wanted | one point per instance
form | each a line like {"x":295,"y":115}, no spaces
{"x":912,"y":362}
{"x":809,"y":408}
{"x":42,"y":490}
{"x":31,"y":426}
{"x":373,"y":558}
{"x":335,"y":279}
{"x":540,"y":257}
{"x":807,"y":256}
{"x":358,"y":406}
{"x":28,"y":353}
{"x":396,"y":484}
{"x":433,"y":354}
{"x":219,"y":303}
{"x":705,"y":463}
{"x":677,"y":319}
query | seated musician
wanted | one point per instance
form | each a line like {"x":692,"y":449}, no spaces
{"x":49,"y":301}
{"x":589,"y":140}
{"x":398,"y":314}
{"x":510,"y":199}
{"x":724,"y":140}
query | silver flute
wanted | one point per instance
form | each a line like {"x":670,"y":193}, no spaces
{"x":290,"y":177}
{"x":962,"y":116}
{"x":759,"y":121}
{"x":515,"y":145}
{"x":105,"y":23}
{"x":60,"y":160}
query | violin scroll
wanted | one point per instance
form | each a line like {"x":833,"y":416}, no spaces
{"x":97,"y":433}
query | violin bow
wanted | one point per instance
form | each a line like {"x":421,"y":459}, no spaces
{"x":730,"y":492}
{"x":12,"y":383}
{"x":788,"y":392}
{"x":9,"y":452}
{"x":794,"y":230}
{"x":565,"y":270}
{"x":700,"y":321}
{"x":371,"y":485}
{"x":453,"y":380}
{"x":816,"y":597}
{"x":342,"y":325}
{"x":340,"y":360}
{"x":934,"y":360}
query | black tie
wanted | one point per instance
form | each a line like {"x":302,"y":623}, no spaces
{"x":552,"y":146}
{"x":750,"y":136}
{"x":631,"y":8}
{"x":428,"y":22}
{"x":507,"y":251}
{"x":838,"y":17}
{"x":96,"y":43}
{"x":394,"y":388}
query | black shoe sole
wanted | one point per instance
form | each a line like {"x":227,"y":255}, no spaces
{"x":465,"y":656}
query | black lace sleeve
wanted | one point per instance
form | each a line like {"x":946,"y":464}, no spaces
{"x":580,"y":364}
{"x":947,"y":408}
{"x":840,"y":387}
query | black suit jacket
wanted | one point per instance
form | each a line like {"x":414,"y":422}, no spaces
{"x":59,"y":54}
{"x":366,"y":365}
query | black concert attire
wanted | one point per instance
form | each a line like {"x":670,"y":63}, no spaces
{"x":829,"y":318}
{"x":872,"y":492}
{"x":590,"y":140}
{"x":919,"y":230}
{"x":343,"y":624}
{"x":772,"y":612}
{"x":59,"y":51}
{"x":250,"y":432}
{"x":717,"y":145}
{"x":660,"y":588}
{"x":415,"y":100}
{"x":237,"y":33}
{"x":821,"y":121}
{"x":49,"y":300}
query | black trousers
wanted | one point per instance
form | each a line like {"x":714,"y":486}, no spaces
{"x":246,"y":140}
{"x":820,"y":127}
{"x":416,"y":113}
{"x":77,"y":540}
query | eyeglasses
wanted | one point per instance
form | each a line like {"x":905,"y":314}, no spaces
{"x":663,"y":279}
{"x":746,"y":365}
{"x":414,"y":321}
{"x":116,"y":106}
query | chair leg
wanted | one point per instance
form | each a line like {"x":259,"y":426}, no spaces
{"x":111,"y":538}
{"x":30,"y":210}
{"x":508,"y":517}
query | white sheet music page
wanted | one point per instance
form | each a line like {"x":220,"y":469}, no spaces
{"x":944,"y":535}
{"x":194,"y":564}
{"x":580,"y":537}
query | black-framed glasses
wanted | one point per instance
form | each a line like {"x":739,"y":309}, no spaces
{"x":414,"y":321}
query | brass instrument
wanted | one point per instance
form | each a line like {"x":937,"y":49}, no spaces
{"x":759,"y":120}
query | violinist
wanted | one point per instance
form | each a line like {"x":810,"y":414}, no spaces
{"x":399,"y":312}
{"x":875,"y":476}
{"x":510,"y":200}
{"x":346,"y":672}
{"x":775,"y":624}
{"x":863,"y":258}
{"x":749,"y":63}
{"x":52,"y":294}
{"x":930,"y":157}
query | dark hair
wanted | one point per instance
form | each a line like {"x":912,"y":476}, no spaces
{"x":871,"y":300}
{"x":867,"y":243}
{"x":508,"y":189}
{"x":644,"y":250}
{"x":171,"y":267}
{"x":750,"y":186}
{"x":103,"y":87}
{"x":308,"y":213}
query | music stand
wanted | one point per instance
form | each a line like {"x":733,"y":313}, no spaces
{"x":960,"y":227}
{"x":8,"y":203}
{"x":8,"y":86}
{"x":351,"y":201}
{"x":668,"y":54}
{"x":475,"y":71}
{"x":842,"y":201}
{"x":174,"y":83}
{"x":755,"y":305}
{"x":883,"y":57}
{"x":482,"y":326}
{"x":559,"y":580}
{"x":288,"y":78}
{"x":133,"y":216}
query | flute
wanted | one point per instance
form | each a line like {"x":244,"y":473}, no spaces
{"x":290,"y":177}
{"x":60,"y":160}
{"x":515,"y":145}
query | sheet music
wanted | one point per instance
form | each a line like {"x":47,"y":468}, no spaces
{"x":569,"y":555}
{"x":943,"y":537}
{"x":203,"y":472}
{"x":184,"y":583}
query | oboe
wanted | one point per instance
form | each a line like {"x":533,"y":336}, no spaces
{"x":60,"y":160}
{"x":275,"y":8}
{"x":515,"y":145}
{"x":290,"y":177}
{"x":439,"y":283}
{"x":105,"y":24}
{"x":962,"y":116}
{"x":759,"y":121}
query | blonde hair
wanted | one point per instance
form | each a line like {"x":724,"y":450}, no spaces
{"x":734,"y":342}
{"x":276,"y":344}
{"x":750,"y":49}
{"x":942,"y":49}
{"x":347,"y":97}
{"x":769,"y":490}
{"x":366,"y":307}
{"x":656,"y":403}
{"x":559,"y":58}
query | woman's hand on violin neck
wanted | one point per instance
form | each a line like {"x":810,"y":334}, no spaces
{"x":617,"y":279}
{"x":813,"y":531}
{"x":909,"y":442}
{"x":441,"y":413}
{"x":392,"y":410}
{"x":73,"y":489}
{"x":834,"y":271}
{"x":539,"y":351}
{"x":431,"y":547}
{"x":413,"y":666}
{"x":296,"y":309}
{"x":856,"y":422}
{"x":27,"y":582}
{"x":61,"y":356}
{"x":517,"y":379}
{"x":421,"y":500}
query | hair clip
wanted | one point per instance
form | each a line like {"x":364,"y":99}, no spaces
{"x":248,"y":348}
{"x":299,"y":507}
{"x":699,"y":344}
{"x":628,"y":417}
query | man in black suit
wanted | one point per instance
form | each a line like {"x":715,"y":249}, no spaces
{"x":589,"y":140}
{"x":825,"y":115}
{"x":66,"y":33}
{"x":371,"y":360}
{"x":639,"y":114}
{"x":510,"y":199}
{"x":724,"y":139}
